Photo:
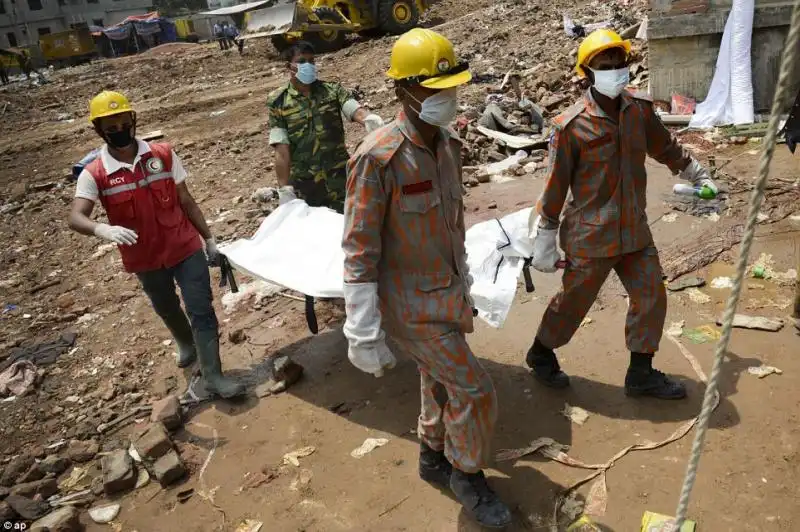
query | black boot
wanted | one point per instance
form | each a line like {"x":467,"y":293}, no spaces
{"x":542,"y":360}
{"x":434,"y":467}
{"x":479,"y":500}
{"x":642,"y":380}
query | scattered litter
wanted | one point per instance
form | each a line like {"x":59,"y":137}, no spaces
{"x":758,"y":323}
{"x":18,"y":379}
{"x":78,"y":479}
{"x":575,"y":414}
{"x":574,"y":29}
{"x":302,"y":480}
{"x":258,"y":289}
{"x":713,"y":217}
{"x":41,"y":354}
{"x":758,"y":272}
{"x":217,"y":113}
{"x":763,"y":371}
{"x":670,"y":218}
{"x":103,"y":250}
{"x":676,"y":328}
{"x":249,"y":525}
{"x":722,"y":283}
{"x":86,"y":318}
{"x":697,"y":296}
{"x":75,"y":499}
{"x":653,"y":522}
{"x":586,"y":321}
{"x":369,"y":445}
{"x":184,"y":496}
{"x":761,"y":217}
{"x":685,"y":282}
{"x":264,"y":194}
{"x":254,"y":480}
{"x":166,"y":343}
{"x":572,"y":507}
{"x":292,"y":457}
{"x":702,"y":334}
{"x":104,"y":514}
{"x":597,"y":500}
{"x":682,"y":105}
{"x":583,"y":524}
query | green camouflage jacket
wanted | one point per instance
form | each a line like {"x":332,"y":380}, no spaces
{"x":313,"y":126}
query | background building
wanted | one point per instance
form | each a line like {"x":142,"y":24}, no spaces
{"x":23,"y":21}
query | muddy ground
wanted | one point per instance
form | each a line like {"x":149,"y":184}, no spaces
{"x":747,"y":479}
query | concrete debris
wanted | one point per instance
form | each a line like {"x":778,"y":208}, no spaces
{"x":104,"y":514}
{"x":168,"y":412}
{"x":45,"y":488}
{"x":168,"y":468}
{"x":26,"y":507}
{"x":153,"y":443}
{"x":82,"y":451}
{"x":119,"y":473}
{"x":685,"y":282}
{"x":249,"y":525}
{"x":66,"y":519}
{"x":15,"y":469}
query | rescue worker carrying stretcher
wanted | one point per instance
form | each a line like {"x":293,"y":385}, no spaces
{"x":307,"y":133}
{"x":597,"y":153}
{"x":157,"y":225}
{"x":406,"y":270}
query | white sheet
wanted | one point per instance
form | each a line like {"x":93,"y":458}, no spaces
{"x":730,"y":97}
{"x":299,"y":247}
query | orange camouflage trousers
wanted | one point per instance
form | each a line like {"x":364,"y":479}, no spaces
{"x":641,"y":275}
{"x":459,"y":403}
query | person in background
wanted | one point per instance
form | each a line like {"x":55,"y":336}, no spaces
{"x":219,"y":35}
{"x":231,"y":32}
{"x":597,"y":155}
{"x":157,"y":227}
{"x":307,"y":132}
{"x":406,"y":271}
{"x":3,"y":74}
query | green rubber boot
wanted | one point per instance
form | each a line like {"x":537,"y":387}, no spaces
{"x":211,"y":367}
{"x":178,"y":325}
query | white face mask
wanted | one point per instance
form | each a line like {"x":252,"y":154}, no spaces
{"x":611,"y":83}
{"x":439,"y":109}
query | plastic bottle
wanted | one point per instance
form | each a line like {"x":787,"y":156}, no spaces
{"x":703,"y":192}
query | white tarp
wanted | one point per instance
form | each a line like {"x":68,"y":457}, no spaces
{"x":730,"y":97}
{"x":299,"y":247}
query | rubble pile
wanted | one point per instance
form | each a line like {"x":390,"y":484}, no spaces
{"x":51,"y":484}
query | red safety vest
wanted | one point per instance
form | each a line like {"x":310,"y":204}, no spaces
{"x":146,"y":200}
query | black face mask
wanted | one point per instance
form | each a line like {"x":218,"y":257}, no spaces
{"x":120,"y":139}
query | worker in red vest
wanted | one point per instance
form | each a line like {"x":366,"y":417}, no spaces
{"x":157,"y":225}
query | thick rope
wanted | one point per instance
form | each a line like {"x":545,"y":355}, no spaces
{"x":790,"y":57}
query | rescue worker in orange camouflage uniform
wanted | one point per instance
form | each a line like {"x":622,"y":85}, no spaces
{"x":597,"y":153}
{"x":406,"y":270}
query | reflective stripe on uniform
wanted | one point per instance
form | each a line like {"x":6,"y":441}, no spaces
{"x":141,"y":183}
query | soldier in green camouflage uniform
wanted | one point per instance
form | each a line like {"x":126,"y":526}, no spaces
{"x":307,"y":132}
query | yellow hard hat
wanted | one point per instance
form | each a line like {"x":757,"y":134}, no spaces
{"x":108,"y":103}
{"x":427,"y":57}
{"x":596,"y":42}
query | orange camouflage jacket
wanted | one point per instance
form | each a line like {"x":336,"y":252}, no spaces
{"x":600,"y":162}
{"x":404,"y":229}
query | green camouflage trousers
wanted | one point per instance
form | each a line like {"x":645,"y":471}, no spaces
{"x":328,"y":192}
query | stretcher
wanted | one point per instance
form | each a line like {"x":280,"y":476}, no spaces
{"x":299,"y":247}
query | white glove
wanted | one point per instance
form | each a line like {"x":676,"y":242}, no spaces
{"x":286,"y":194}
{"x":368,"y":351}
{"x":545,"y":249}
{"x":118,"y":235}
{"x":373,"y":122}
{"x":212,"y":251}
{"x":698,"y":176}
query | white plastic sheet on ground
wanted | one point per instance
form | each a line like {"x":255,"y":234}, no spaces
{"x":730,"y":97}
{"x":299,"y":247}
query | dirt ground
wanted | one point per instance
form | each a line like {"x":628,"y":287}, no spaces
{"x":747,"y":478}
